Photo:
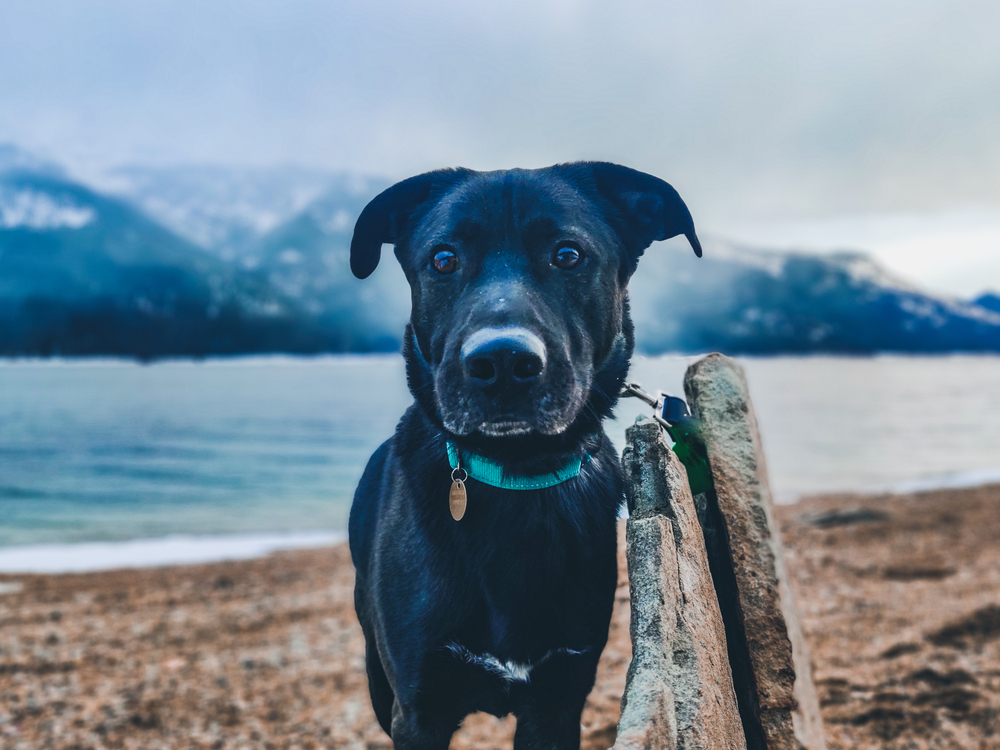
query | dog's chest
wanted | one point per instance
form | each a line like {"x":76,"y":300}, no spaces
{"x":509,"y":670}
{"x":527,"y":607}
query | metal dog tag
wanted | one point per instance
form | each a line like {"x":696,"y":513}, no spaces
{"x":457,"y":499}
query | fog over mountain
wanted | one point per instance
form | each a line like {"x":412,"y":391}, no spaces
{"x":15,"y":160}
{"x":749,"y":300}
{"x":201,"y":261}
{"x":82,"y":273}
{"x":864,"y":124}
{"x":223,"y":209}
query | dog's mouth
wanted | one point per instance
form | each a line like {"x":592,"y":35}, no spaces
{"x":505,"y":401}
{"x":545,"y":410}
{"x":505,"y":428}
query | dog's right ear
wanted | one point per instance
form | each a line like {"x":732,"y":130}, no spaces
{"x":391,"y":211}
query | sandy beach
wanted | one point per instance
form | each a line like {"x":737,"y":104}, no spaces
{"x":899,"y":598}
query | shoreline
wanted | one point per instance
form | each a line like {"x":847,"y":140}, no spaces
{"x":157,"y":552}
{"x":395,"y":355}
{"x":193,"y":549}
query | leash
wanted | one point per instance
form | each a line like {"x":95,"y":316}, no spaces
{"x":673,"y":415}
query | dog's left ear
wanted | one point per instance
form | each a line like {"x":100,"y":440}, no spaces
{"x":385,"y":218}
{"x":645,"y":208}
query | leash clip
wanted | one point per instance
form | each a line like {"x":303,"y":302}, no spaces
{"x":672,"y":414}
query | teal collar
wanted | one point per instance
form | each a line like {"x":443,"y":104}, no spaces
{"x":488,"y":471}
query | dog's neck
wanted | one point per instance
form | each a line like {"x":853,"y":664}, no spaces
{"x":534,"y":454}
{"x":495,"y":474}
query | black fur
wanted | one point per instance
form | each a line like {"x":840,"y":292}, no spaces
{"x":526,"y":576}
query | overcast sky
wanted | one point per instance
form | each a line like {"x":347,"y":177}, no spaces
{"x":850,"y":122}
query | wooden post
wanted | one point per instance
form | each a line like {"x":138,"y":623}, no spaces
{"x":679,"y":692}
{"x":719,"y":660}
{"x":768,"y":655}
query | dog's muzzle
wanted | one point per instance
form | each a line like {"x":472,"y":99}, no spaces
{"x":505,"y":381}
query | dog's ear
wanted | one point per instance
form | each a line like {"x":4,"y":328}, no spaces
{"x":385,"y":218}
{"x":644,"y":208}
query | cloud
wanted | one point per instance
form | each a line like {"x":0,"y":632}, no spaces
{"x":770,"y":109}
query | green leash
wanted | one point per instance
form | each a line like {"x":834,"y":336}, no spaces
{"x":672,"y":414}
{"x":489,"y":472}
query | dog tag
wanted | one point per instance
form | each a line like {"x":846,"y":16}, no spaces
{"x":457,"y":499}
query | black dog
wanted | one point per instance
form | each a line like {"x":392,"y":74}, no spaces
{"x":517,"y":348}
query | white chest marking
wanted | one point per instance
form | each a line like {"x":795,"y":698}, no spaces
{"x":511,"y":671}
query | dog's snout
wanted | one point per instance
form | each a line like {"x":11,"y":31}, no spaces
{"x":503,"y":356}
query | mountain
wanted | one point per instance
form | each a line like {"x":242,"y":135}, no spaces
{"x":201,"y":261}
{"x":289,"y":226}
{"x":81,"y":273}
{"x":224,"y":209}
{"x":307,"y":260}
{"x":738,"y":299}
{"x":989,"y":301}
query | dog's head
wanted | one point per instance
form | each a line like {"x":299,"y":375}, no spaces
{"x":520,"y":316}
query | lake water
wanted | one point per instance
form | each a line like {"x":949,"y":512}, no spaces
{"x":105,"y":450}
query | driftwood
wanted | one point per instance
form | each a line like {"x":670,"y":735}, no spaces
{"x":718,"y":656}
{"x":680,"y":690}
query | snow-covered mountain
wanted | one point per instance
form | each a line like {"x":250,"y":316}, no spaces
{"x":225,"y":209}
{"x":81,"y":273}
{"x":307,"y":259}
{"x":748,"y":300}
{"x":209,"y":261}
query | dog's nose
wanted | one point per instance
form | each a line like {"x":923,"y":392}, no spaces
{"x":503,"y":356}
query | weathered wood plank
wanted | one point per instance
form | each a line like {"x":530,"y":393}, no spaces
{"x":679,"y":694}
{"x":779,"y":690}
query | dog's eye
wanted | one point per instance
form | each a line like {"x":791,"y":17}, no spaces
{"x":567,"y":257}
{"x":445,"y":261}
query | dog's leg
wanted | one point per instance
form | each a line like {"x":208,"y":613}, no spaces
{"x":548,"y":727}
{"x":548,"y":717}
{"x":379,"y":688}
{"x":413,"y":730}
